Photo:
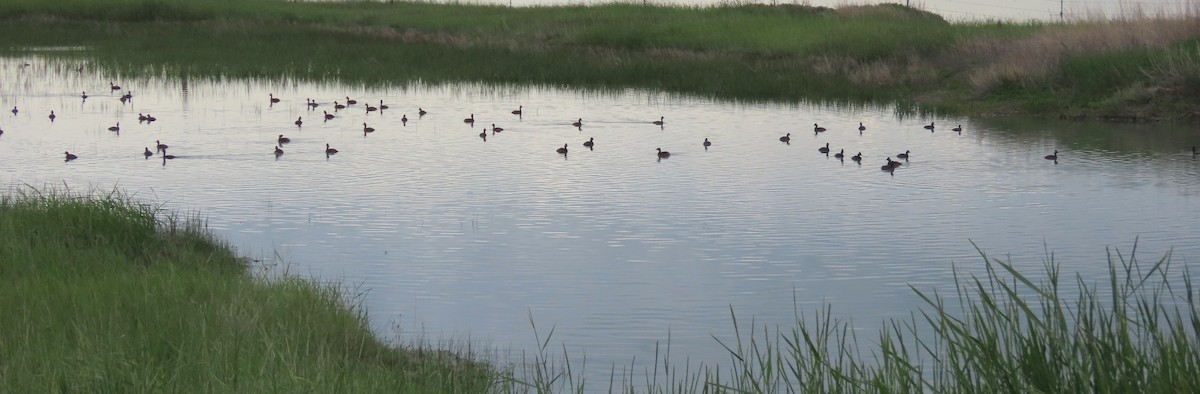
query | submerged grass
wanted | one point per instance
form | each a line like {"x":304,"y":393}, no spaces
{"x":1137,"y":67}
{"x":105,"y":295}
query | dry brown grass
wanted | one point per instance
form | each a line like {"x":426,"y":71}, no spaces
{"x":1176,"y":66}
{"x":851,"y":11}
{"x":909,"y":70}
{"x":913,"y":70}
{"x":1028,"y":61}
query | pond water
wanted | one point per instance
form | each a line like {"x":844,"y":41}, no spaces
{"x":450,"y":235}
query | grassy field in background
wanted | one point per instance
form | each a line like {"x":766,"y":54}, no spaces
{"x":1136,"y":68}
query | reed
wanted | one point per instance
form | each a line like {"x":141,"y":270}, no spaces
{"x":1002,"y":331}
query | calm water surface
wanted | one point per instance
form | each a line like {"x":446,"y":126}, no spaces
{"x":451,"y":236}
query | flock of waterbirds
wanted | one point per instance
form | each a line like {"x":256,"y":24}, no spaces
{"x":161,"y":148}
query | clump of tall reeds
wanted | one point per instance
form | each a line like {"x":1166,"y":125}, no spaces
{"x":1031,"y":60}
{"x":1002,"y":332}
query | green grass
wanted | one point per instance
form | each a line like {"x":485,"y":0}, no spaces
{"x":858,"y":54}
{"x":1000,"y":332}
{"x":105,"y":295}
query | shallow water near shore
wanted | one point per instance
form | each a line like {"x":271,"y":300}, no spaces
{"x":450,"y":235}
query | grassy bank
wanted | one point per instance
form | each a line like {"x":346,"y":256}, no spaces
{"x":100,"y":295}
{"x":1133,"y":68}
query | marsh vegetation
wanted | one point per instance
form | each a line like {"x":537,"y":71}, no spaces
{"x":1132,"y":68}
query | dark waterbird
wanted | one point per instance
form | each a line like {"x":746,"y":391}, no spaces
{"x":824,"y":149}
{"x":298,"y":121}
{"x":273,"y":98}
{"x":929,"y":126}
{"x":903,"y":155}
{"x":337,"y":106}
{"x":562,"y":150}
{"x":283,"y":140}
{"x":115,"y":128}
{"x":496,"y":129}
{"x":707,"y":143}
{"x":817,"y":129}
{"x":330,"y":151}
{"x":957,"y":129}
{"x":278,"y":151}
{"x":861,"y":128}
{"x":382,"y":106}
{"x":113,"y":86}
{"x":590,"y":142}
{"x":1053,"y":156}
{"x":70,"y":156}
{"x":147,"y":153}
{"x":662,"y":154}
{"x":160,"y":146}
{"x":578,"y":123}
{"x":659,"y":121}
{"x":368,"y":129}
{"x":350,"y":101}
{"x":891,"y":165}
{"x":328,"y":115}
{"x":786,"y":138}
{"x":52,"y":116}
{"x":470,"y":119}
{"x":520,"y":109}
{"x":857,"y":157}
{"x":421,"y":111}
{"x":841,"y":153}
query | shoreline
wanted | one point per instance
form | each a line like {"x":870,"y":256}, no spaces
{"x":1139,"y":69}
{"x":159,"y":304}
